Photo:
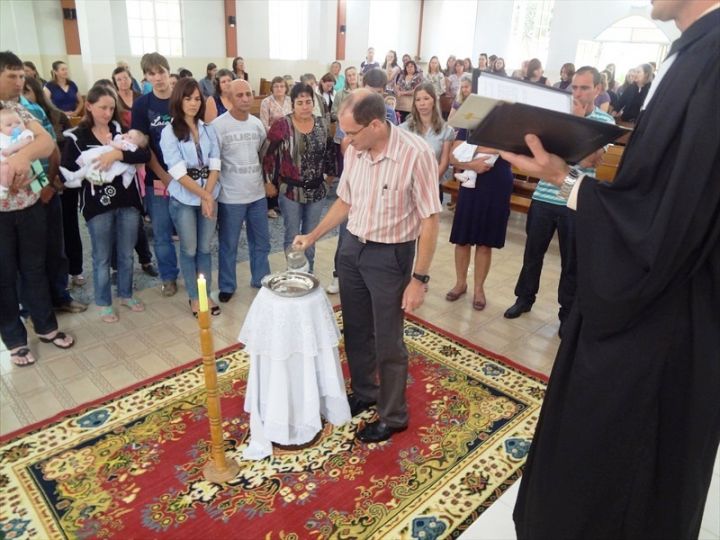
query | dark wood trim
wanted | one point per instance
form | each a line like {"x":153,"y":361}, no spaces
{"x":230,"y":31}
{"x":70,"y":27}
{"x":420,"y":26}
{"x":341,"y":23}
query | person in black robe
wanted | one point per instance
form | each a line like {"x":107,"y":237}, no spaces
{"x":629,"y":429}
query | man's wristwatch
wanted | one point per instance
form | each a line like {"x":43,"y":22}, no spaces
{"x":569,"y":182}
{"x":423,"y":278}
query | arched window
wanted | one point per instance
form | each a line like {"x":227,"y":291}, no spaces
{"x":627,"y":43}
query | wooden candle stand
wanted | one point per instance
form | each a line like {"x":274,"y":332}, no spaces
{"x":220,"y":468}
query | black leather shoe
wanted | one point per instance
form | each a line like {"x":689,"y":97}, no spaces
{"x":377,"y":431}
{"x":358,"y":405}
{"x":517,"y":309}
{"x":225,"y":296}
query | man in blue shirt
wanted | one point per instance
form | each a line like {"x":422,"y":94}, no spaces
{"x":549,"y":212}
{"x":150,"y":114}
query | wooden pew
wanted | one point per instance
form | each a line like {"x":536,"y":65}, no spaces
{"x":255,"y":107}
{"x":609,"y":163}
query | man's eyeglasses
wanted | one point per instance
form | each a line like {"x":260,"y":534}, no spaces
{"x":354,"y":133}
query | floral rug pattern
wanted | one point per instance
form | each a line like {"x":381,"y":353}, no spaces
{"x":131,"y":466}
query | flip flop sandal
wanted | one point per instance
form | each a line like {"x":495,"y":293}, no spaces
{"x":107,"y":314}
{"x":58,"y":340}
{"x":133,"y":304}
{"x":25,"y":354}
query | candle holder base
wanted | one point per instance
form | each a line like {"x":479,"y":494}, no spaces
{"x":213,"y":474}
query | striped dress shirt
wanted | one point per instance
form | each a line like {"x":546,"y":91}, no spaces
{"x":390,"y":195}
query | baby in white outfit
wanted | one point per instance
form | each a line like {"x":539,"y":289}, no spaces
{"x":466,"y":152}
{"x":127,"y":142}
{"x":13,"y":136}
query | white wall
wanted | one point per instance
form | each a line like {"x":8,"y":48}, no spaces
{"x":33,"y":29}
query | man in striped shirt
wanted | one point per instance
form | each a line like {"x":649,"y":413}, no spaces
{"x":388,"y":192}
{"x":549,"y":212}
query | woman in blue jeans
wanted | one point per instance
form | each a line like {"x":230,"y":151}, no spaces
{"x":300,"y":159}
{"x":112,"y":209}
{"x":192,"y":154}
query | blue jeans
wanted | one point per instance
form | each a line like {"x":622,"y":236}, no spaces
{"x":162,"y":237}
{"x":230,"y":220}
{"x":195,"y":232}
{"x":300,"y":218}
{"x":117,"y":227}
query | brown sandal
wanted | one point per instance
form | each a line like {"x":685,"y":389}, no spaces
{"x":451,"y":296}
{"x":478,"y":305}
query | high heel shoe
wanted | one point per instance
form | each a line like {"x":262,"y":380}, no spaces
{"x":195,"y":313}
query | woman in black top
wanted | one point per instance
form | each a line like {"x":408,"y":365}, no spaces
{"x":633,"y":98}
{"x":111,"y":210}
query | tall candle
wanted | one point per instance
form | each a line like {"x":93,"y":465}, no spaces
{"x":202,"y":293}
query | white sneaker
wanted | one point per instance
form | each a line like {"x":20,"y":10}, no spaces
{"x":334,"y":286}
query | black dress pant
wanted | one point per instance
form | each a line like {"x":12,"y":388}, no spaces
{"x":71,"y":230}
{"x":543,"y":220}
{"x":23,"y":250}
{"x":373,"y":277}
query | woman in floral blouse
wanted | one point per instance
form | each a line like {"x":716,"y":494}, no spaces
{"x":409,"y":79}
{"x":300,"y":160}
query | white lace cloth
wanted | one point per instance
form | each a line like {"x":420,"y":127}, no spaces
{"x":295,"y":374}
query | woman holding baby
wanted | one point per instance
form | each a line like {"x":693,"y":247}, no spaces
{"x":481,"y":217}
{"x":111,"y":206}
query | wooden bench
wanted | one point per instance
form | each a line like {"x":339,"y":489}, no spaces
{"x":255,"y":107}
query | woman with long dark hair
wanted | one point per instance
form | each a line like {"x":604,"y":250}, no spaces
{"x":191,"y":151}
{"x":238,"y":68}
{"x":111,"y":209}
{"x":62,"y":91}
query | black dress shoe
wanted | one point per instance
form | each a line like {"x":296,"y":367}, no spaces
{"x":378,"y":431}
{"x":225,"y":296}
{"x":517,"y":309}
{"x":358,"y":405}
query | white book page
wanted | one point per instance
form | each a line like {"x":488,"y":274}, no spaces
{"x":493,"y":89}
{"x":516,"y":91}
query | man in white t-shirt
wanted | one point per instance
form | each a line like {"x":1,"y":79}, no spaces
{"x":243,"y":191}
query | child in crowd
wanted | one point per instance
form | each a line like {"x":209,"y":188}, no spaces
{"x":127,"y":142}
{"x":466,"y":152}
{"x":391,"y":101}
{"x":14,"y":136}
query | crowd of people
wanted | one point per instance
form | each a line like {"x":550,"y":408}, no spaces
{"x":195,"y":161}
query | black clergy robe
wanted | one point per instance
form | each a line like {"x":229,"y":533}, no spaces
{"x":630,"y":426}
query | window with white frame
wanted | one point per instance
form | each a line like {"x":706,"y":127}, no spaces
{"x":627,"y":43}
{"x":530,"y":31}
{"x":155,"y":25}
{"x":288,"y":23}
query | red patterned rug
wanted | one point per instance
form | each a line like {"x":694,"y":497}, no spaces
{"x":131,"y":465}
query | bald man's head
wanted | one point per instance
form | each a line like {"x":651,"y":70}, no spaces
{"x":241,"y":95}
{"x":364,"y":105}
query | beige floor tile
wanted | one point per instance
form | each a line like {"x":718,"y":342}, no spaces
{"x":83,"y":389}
{"x":181,"y":353}
{"x":119,"y":377}
{"x":25,"y":380}
{"x":65,"y":368}
{"x":44,"y":404}
{"x":160,"y":334}
{"x":99,"y":356}
{"x":9,"y":420}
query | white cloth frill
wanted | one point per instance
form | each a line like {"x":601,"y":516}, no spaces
{"x":295,"y":375}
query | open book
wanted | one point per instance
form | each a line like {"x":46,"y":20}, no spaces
{"x":495,"y":120}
